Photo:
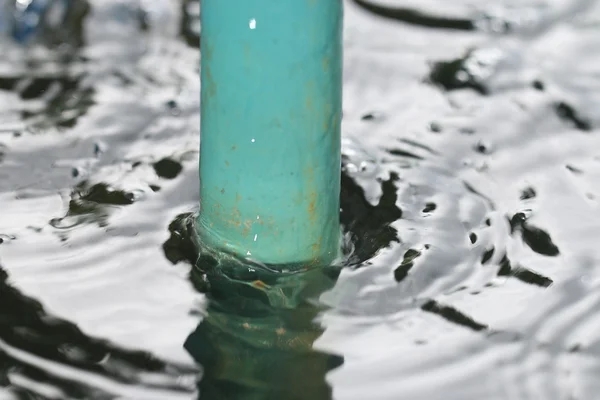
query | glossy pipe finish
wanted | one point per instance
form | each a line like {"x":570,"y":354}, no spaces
{"x":271,"y":100}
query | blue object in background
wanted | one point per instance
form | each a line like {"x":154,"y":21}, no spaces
{"x":270,"y":121}
{"x":24,"y":18}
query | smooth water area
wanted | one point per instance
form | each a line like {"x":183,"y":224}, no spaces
{"x":470,"y":186}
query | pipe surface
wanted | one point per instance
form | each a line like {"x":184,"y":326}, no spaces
{"x":271,"y":111}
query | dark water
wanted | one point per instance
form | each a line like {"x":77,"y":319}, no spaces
{"x":469,"y":201}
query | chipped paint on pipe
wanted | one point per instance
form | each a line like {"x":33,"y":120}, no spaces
{"x":270,"y":129}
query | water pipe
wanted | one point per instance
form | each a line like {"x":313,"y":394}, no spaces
{"x":270,"y":161}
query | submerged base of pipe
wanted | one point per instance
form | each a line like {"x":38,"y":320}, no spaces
{"x":208,"y":244}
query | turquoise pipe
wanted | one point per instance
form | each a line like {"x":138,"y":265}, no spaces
{"x":271,"y":98}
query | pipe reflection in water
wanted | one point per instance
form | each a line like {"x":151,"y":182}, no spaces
{"x":256,"y":341}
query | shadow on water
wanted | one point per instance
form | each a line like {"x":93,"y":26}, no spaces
{"x":190,"y":22}
{"x":49,"y":340}
{"x":71,"y":29}
{"x":369,"y":226}
{"x":417,"y":17}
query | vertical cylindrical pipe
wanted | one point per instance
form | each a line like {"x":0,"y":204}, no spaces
{"x":271,"y":100}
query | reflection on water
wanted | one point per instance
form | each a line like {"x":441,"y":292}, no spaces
{"x":470,"y":191}
{"x":256,"y":340}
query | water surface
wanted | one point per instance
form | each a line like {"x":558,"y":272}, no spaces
{"x":469,"y":203}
